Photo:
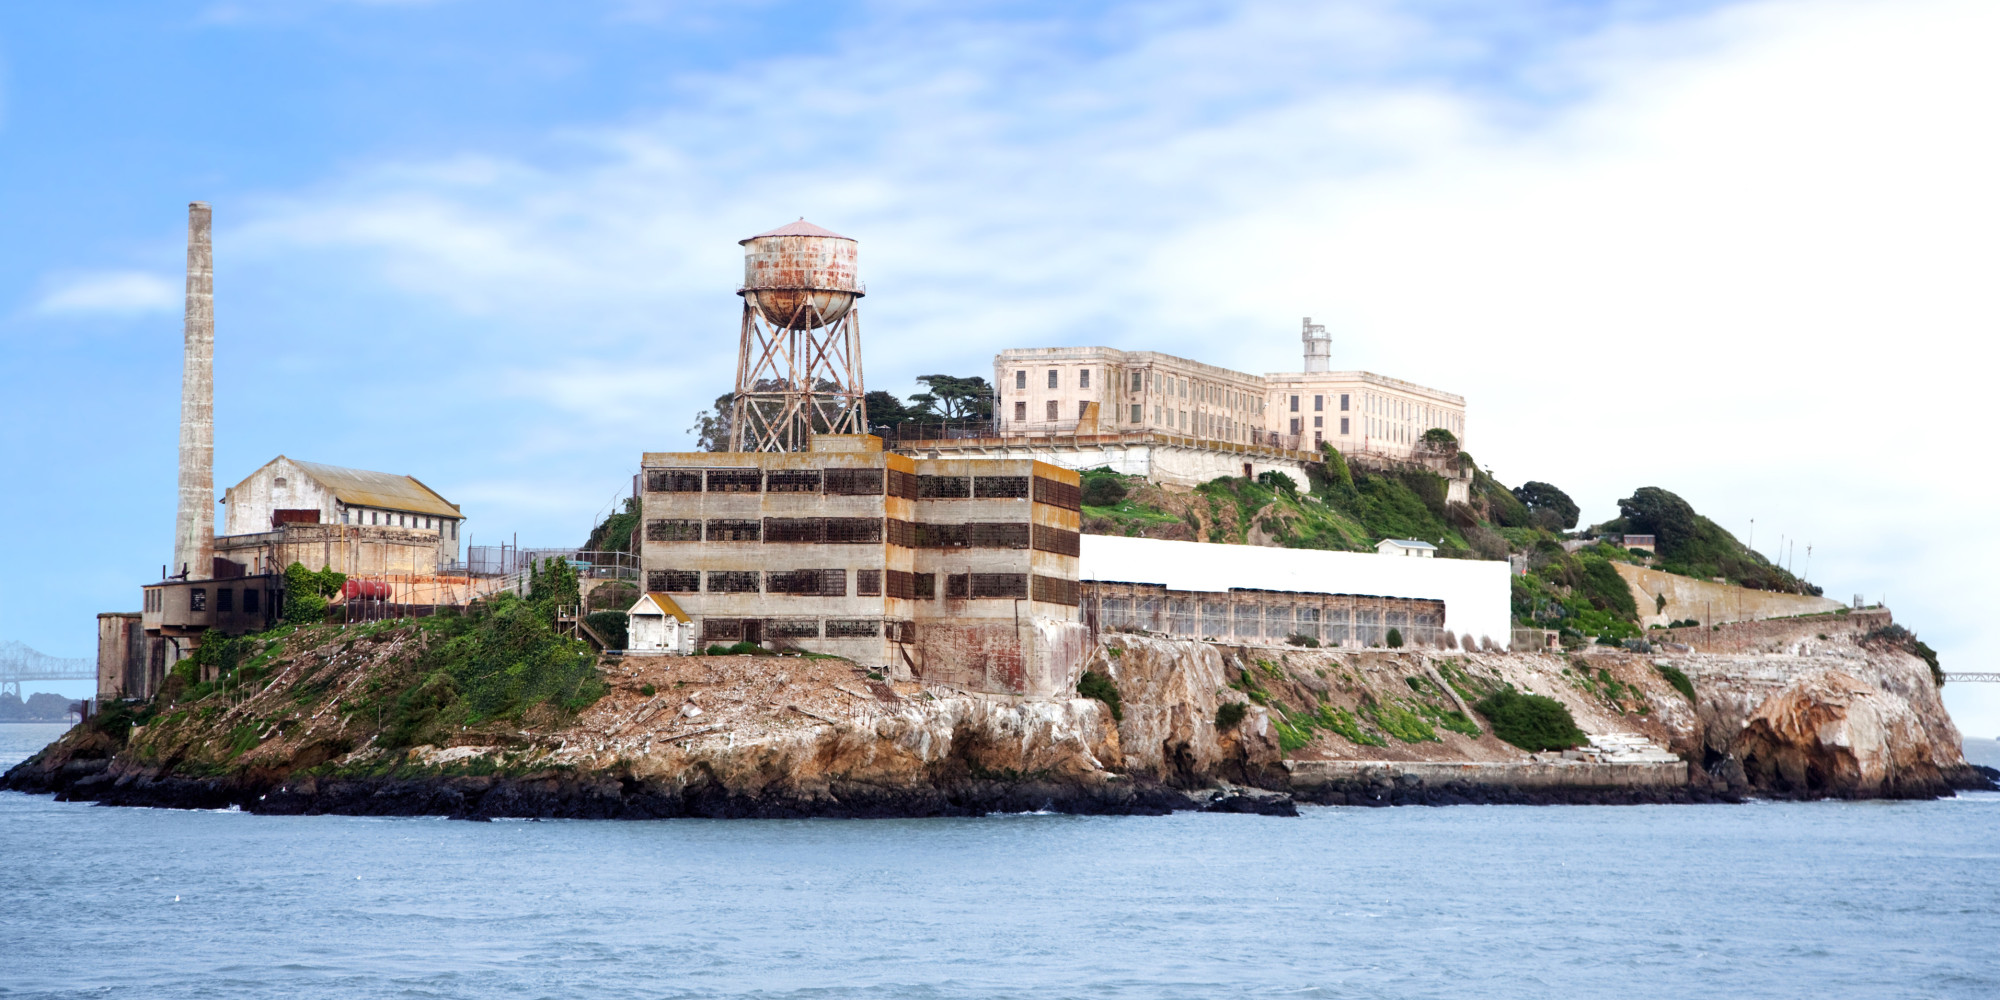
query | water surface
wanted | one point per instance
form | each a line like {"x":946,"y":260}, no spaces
{"x":1761,"y":900}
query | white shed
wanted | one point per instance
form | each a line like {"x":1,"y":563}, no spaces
{"x":657,"y":626}
{"x":1405,"y":547}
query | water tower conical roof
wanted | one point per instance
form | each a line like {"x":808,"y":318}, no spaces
{"x":800,"y":228}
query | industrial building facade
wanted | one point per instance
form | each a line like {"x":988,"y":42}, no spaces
{"x":954,"y":571}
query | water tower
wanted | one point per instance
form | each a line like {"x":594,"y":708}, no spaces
{"x":798,"y":369}
{"x":1319,"y":346}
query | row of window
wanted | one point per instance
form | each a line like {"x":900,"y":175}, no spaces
{"x":719,"y":630}
{"x":833,"y":583}
{"x":864,"y":482}
{"x":443,"y":526}
{"x":1319,"y":403}
{"x":1218,"y":619}
{"x":867,"y":531}
{"x":1055,"y":378}
{"x":225,"y":599}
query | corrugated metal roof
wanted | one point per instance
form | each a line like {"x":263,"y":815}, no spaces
{"x":661,"y":602}
{"x":800,"y":228}
{"x":360,"y":488}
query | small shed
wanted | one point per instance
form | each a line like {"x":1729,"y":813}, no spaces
{"x":1405,"y":547}
{"x":655,"y":625}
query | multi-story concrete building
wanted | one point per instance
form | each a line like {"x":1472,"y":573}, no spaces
{"x":956,"y":571}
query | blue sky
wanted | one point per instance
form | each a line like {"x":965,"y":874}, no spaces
{"x":1734,"y":250}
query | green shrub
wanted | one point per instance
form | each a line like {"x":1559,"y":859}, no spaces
{"x":1530,"y":721}
{"x":609,"y":625}
{"x":1402,"y":723}
{"x":648,"y":690}
{"x":1103,"y":490}
{"x":306,"y":593}
{"x":1101,"y":687}
{"x":1299,"y":639}
{"x":1678,"y":679}
{"x":497,"y":662}
{"x":1342,"y":722}
{"x":1229,"y":715}
{"x":1395,"y":638}
{"x":1276,"y":480}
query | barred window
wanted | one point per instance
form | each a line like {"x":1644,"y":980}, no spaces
{"x":1056,"y":590}
{"x":868,"y":583}
{"x":673,"y":581}
{"x":722,"y":630}
{"x":1116,"y":612}
{"x":925,"y":585}
{"x":791,"y":481}
{"x":943,"y":487}
{"x":854,"y":530}
{"x":813,"y":582}
{"x":794,"y":529}
{"x":1001,"y":487}
{"x":853,"y":628}
{"x":902,"y":484}
{"x":902,"y":533}
{"x":735,"y":480}
{"x":957,"y":586}
{"x":1060,"y":541}
{"x":997,"y":535}
{"x":940,"y":536}
{"x":792,"y":628}
{"x":1180,"y":616}
{"x":732,"y":582}
{"x":1214,"y":619}
{"x":853,"y":482}
{"x":989,"y":585}
{"x":1249,"y":621}
{"x":1057,"y":494}
{"x":733,"y":531}
{"x":900,"y":584}
{"x":673,"y":481}
{"x":673,"y":531}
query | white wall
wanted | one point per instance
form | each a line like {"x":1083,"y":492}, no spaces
{"x":1477,"y":594}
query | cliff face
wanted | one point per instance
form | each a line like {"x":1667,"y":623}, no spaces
{"x":1810,"y":709}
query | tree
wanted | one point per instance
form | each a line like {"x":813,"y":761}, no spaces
{"x":953,"y":397}
{"x":1671,"y":521}
{"x":885,"y":410}
{"x":1561,"y":511}
{"x":711,"y":427}
{"x":614,"y":533}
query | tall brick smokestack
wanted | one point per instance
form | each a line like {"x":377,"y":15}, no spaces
{"x":194,"y":525}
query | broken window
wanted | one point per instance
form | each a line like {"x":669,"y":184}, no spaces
{"x":999,"y":585}
{"x":722,"y":630}
{"x":944,"y":487}
{"x":792,"y":628}
{"x":1056,"y":590}
{"x":1214,"y":619}
{"x":733,"y":531}
{"x":812,"y":582}
{"x":792,"y":481}
{"x":997,"y":535}
{"x":902,"y":484}
{"x":198,"y":599}
{"x":1064,"y":495}
{"x":665,"y":530}
{"x":924,"y":585}
{"x":735,"y":480}
{"x":673,"y":481}
{"x":853,"y":628}
{"x":899,"y":584}
{"x":854,"y":482}
{"x":732,"y":582}
{"x":673,"y":581}
{"x":1000,"y":487}
{"x":1060,"y":541}
{"x":868,"y":583}
{"x":794,"y":529}
{"x":903,"y":533}
{"x":940,"y":536}
{"x":957,"y":586}
{"x":854,"y":530}
{"x":1249,"y":622}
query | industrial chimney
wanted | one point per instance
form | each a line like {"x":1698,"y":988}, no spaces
{"x":798,"y":365}
{"x":1319,"y":347}
{"x":194,"y":525}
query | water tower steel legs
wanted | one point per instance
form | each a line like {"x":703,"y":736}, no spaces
{"x":796,"y":381}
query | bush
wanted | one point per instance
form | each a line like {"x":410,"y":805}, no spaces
{"x":306,"y":593}
{"x":609,"y":625}
{"x":1229,"y":715}
{"x":1277,"y":481}
{"x":1530,"y":721}
{"x":648,"y":690}
{"x":1103,"y":491}
{"x":1678,"y":679}
{"x":1100,"y":687}
{"x":1395,"y":638}
{"x":739,"y":649}
{"x":497,"y":662}
{"x":1299,"y":639}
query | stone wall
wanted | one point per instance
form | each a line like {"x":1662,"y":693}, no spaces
{"x":1709,"y":602}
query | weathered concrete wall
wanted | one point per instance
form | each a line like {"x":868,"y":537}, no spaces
{"x":121,"y":656}
{"x":1709,"y":602}
{"x":194,"y":524}
{"x":1775,"y":635}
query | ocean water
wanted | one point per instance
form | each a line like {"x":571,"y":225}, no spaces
{"x":1760,"y":900}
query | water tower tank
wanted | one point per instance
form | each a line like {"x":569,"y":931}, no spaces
{"x":799,"y":276}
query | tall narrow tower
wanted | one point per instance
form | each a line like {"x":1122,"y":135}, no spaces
{"x":798,"y":369}
{"x":1319,"y":346}
{"x":194,"y":525}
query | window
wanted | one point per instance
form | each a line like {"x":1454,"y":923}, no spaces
{"x":673,"y":581}
{"x":1138,"y":381}
{"x":733,"y":531}
{"x":852,"y":628}
{"x":1316,"y":440}
{"x":792,"y":481}
{"x":1054,"y":376}
{"x":732,"y":582}
{"x":1319,"y":421}
{"x":1295,"y":404}
{"x":1021,"y":379}
{"x":1057,"y":494}
{"x":1082,"y":409}
{"x":1295,"y":425}
{"x":225,"y":600}
{"x":1001,"y":487}
{"x":1055,"y":590}
{"x":1137,"y":413}
{"x":854,"y":482}
{"x":1051,"y":409}
{"x":1343,"y":425}
{"x":868,"y":583}
{"x":279,"y":482}
{"x":1020,"y":411}
{"x":925,"y":585}
{"x":943,"y":487}
{"x":198,"y":599}
{"x":735,"y":481}
{"x":1083,"y":379}
{"x":673,"y":481}
{"x":374,"y":517}
{"x":249,"y":601}
{"x":1343,"y":402}
{"x":1319,"y":403}
{"x":999,"y":585}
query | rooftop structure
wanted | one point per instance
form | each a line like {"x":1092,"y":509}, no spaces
{"x":798,"y":365}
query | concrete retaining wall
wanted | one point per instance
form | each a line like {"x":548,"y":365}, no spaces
{"x":1709,"y":602}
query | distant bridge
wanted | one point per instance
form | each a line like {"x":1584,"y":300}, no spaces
{"x":1976,"y":678}
{"x":19,"y":663}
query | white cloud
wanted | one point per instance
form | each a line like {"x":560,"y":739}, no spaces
{"x":115,"y":292}
{"x":1741,"y":254}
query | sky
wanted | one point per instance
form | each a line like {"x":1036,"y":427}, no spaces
{"x":1742,"y":251}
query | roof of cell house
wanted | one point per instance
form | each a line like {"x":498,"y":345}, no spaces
{"x":800,"y":228}
{"x":1405,"y":543}
{"x":360,"y":488}
{"x":662,"y":604}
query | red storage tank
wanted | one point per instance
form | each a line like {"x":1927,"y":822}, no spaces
{"x":370,"y":590}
